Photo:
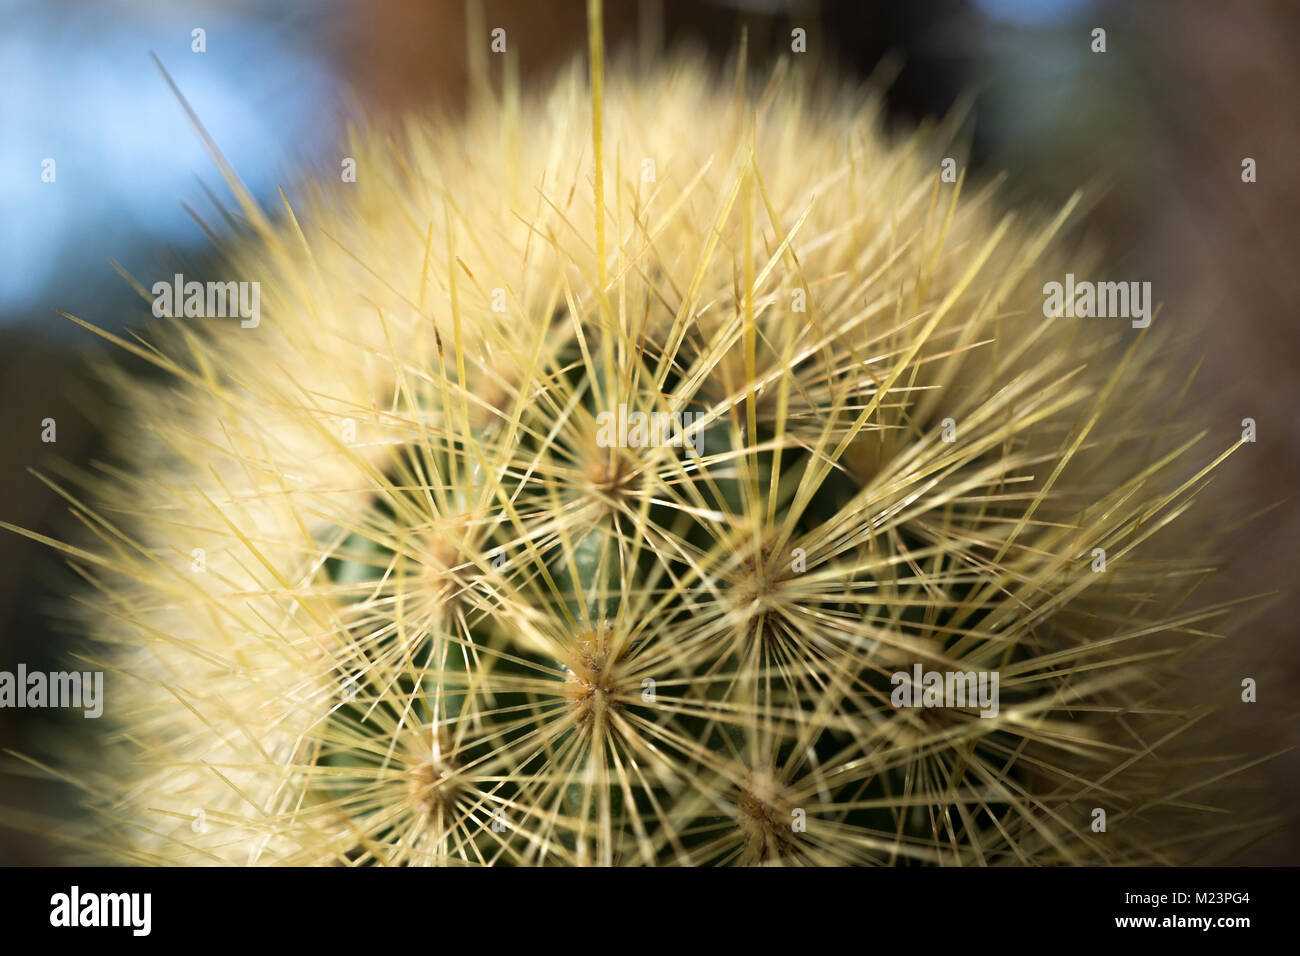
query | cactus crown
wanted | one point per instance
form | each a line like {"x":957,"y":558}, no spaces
{"x":580,"y":500}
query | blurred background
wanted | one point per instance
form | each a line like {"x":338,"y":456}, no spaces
{"x":1155,"y":129}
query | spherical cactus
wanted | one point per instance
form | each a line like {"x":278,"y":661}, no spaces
{"x":713,"y":489}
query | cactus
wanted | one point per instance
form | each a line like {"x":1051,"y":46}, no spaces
{"x":586,"y":487}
